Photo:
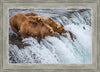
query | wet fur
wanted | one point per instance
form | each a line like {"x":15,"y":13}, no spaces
{"x":35,"y":29}
{"x":15,"y":22}
{"x":47,"y":20}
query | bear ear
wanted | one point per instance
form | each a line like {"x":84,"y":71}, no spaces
{"x":57,"y":23}
{"x":49,"y":18}
{"x":38,"y":19}
{"x":50,"y":21}
{"x":58,"y":27}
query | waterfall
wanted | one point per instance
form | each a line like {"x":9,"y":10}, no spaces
{"x":56,"y":49}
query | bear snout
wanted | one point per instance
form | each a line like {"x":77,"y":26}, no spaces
{"x":64,"y":31}
{"x":52,"y":32}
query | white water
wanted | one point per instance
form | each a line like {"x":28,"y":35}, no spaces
{"x":57,"y":49}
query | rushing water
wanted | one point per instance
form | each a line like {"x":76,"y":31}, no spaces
{"x":57,"y":49}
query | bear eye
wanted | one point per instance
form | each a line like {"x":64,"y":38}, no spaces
{"x":31,"y":22}
{"x":49,"y":18}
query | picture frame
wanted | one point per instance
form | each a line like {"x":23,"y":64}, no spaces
{"x":6,"y":67}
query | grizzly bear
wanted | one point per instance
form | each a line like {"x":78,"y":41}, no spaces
{"x":47,"y":20}
{"x":15,"y":22}
{"x":17,"y":19}
{"x":35,"y":29}
{"x":56,"y":27}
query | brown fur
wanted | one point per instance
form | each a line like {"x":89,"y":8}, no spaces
{"x":35,"y":18}
{"x":47,"y":20}
{"x":16,"y":20}
{"x":35,"y":29}
{"x":43,"y":28}
{"x":56,"y":27}
{"x":31,"y":14}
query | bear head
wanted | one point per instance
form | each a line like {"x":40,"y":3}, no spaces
{"x":47,"y":30}
{"x":56,"y":26}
